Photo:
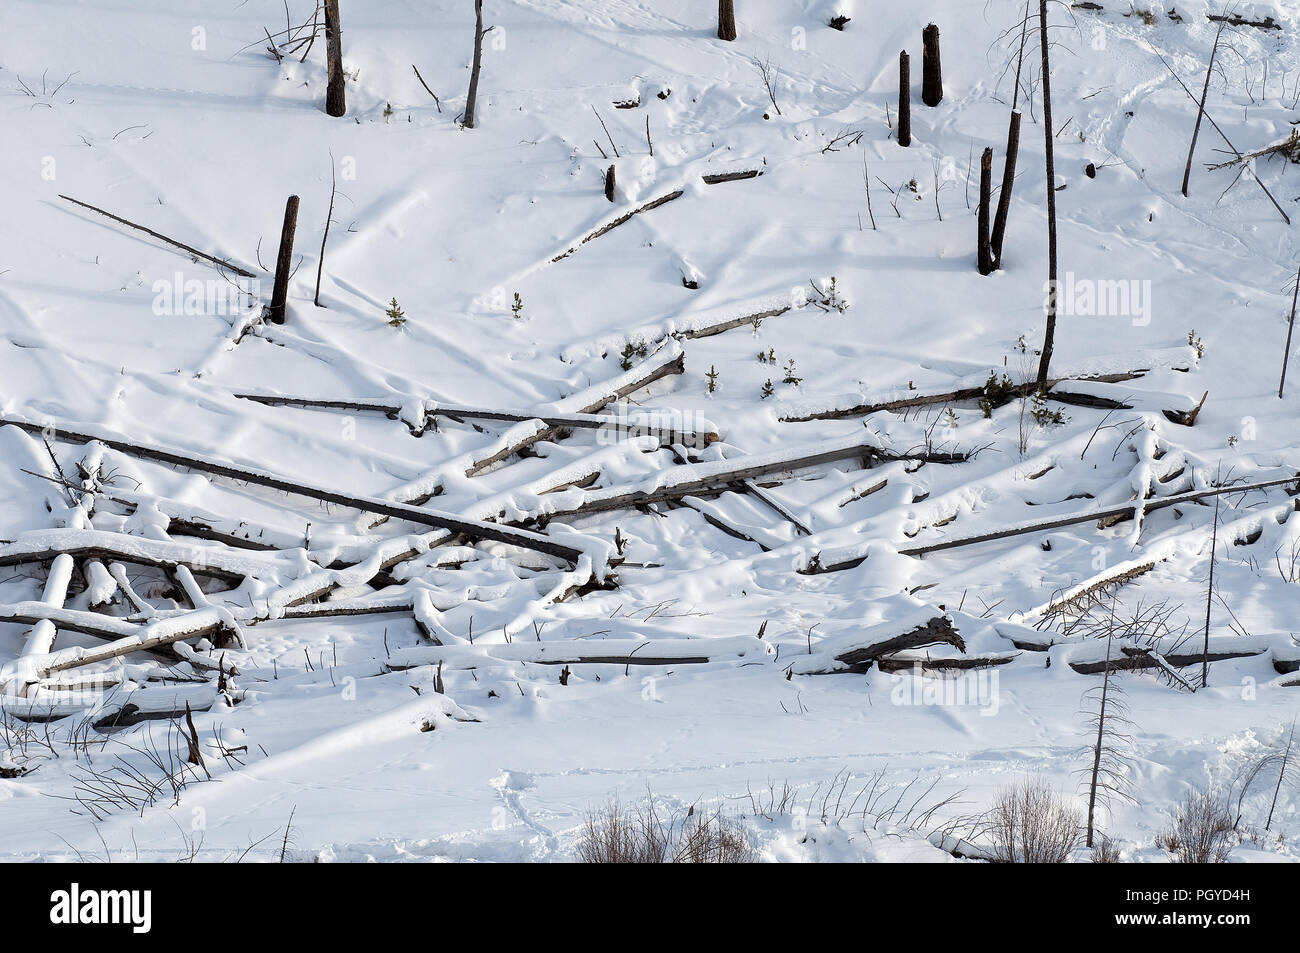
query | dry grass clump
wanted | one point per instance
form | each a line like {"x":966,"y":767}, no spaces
{"x":616,"y":834}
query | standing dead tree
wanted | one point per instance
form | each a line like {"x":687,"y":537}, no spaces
{"x":471,"y":100}
{"x":335,"y":99}
{"x":931,"y":71}
{"x":1286,"y":351}
{"x":320,"y":263}
{"x":1013,"y":151}
{"x":985,"y":252}
{"x":609,"y":183}
{"x":1049,"y":336}
{"x":284,"y":262}
{"x":1107,"y":777}
{"x":726,"y":19}
{"x":1200,"y":110}
{"x":904,"y":100}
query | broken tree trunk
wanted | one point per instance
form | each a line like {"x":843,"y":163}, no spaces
{"x":984,"y":251}
{"x":1290,"y":328}
{"x":471,"y":100}
{"x":622,"y":219}
{"x":41,"y":639}
{"x":726,"y":20}
{"x":284,"y":263}
{"x":904,"y":100}
{"x":1049,"y":334}
{"x":931,"y":72}
{"x":858,"y":653}
{"x":335,"y":100}
{"x":609,"y":184}
{"x":1200,"y":109}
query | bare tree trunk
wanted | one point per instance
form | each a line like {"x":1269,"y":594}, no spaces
{"x":284,"y":262}
{"x":471,"y":100}
{"x":1286,"y":351}
{"x":1008,"y":183}
{"x":904,"y":100}
{"x":1209,"y":599}
{"x":320,"y":264}
{"x":726,"y":19}
{"x":1045,"y":362}
{"x":986,"y":196}
{"x":1200,"y":110}
{"x":335,"y":100}
{"x":1101,"y":734}
{"x":609,"y":183}
{"x":931,"y":72}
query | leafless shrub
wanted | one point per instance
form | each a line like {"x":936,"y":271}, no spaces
{"x":1202,"y":831}
{"x":1030,"y":824}
{"x":1105,"y":852}
{"x":616,"y":834}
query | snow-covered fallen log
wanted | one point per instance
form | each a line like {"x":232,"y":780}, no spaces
{"x":857,"y":651}
{"x":587,"y":652}
{"x":473,"y":529}
{"x":1138,"y":658}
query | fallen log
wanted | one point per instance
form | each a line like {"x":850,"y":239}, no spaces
{"x":43,"y":634}
{"x":901,"y":662}
{"x":856,"y":653}
{"x":696,"y":479}
{"x":716,"y":178}
{"x":1003,"y":396}
{"x":585,"y":652}
{"x":472,"y":529}
{"x":1137,"y":659}
{"x":221,"y":262}
{"x":622,"y":219}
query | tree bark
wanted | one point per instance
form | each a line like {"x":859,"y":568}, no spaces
{"x":1049,"y":335}
{"x":931,"y":72}
{"x":609,"y":183}
{"x":1008,"y":183}
{"x":726,"y":20}
{"x":471,"y":100}
{"x":335,"y":98}
{"x":904,"y":100}
{"x":284,"y":262}
{"x":986,"y":194}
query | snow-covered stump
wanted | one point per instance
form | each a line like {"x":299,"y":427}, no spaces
{"x":335,"y":98}
{"x":931,"y":72}
{"x":284,"y":262}
{"x":904,"y":100}
{"x":609,"y":184}
{"x":726,"y":19}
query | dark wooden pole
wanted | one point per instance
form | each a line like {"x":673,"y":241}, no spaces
{"x":1049,"y":337}
{"x":471,"y":100}
{"x":726,"y":19}
{"x":904,"y":100}
{"x":1008,"y":183}
{"x":609,"y":183}
{"x":931,"y":72}
{"x":986,"y":196}
{"x":335,"y":99}
{"x":284,"y":262}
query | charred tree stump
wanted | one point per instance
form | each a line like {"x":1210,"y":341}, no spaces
{"x":904,"y":100}
{"x":1008,"y":182}
{"x":335,"y":99}
{"x":726,"y":19}
{"x":609,"y":183}
{"x":284,"y":262}
{"x":931,"y":72}
{"x":986,"y":265}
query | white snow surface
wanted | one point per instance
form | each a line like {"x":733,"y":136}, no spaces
{"x":174,"y":115}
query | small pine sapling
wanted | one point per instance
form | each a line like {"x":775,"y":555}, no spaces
{"x":767,"y":389}
{"x":517,"y":309}
{"x":396,"y":316}
{"x":790,"y":377}
{"x":1194,"y":342}
{"x":712,"y":376}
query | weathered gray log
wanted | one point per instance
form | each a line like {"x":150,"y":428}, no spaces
{"x":622,"y":219}
{"x":1135,"y":659}
{"x":284,"y":263}
{"x":472,"y":529}
{"x":896,"y":663}
{"x":716,"y":178}
{"x":220,"y":262}
{"x":938,"y":630}
{"x":961,"y":394}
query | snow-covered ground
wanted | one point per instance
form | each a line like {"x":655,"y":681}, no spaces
{"x":174,"y":115}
